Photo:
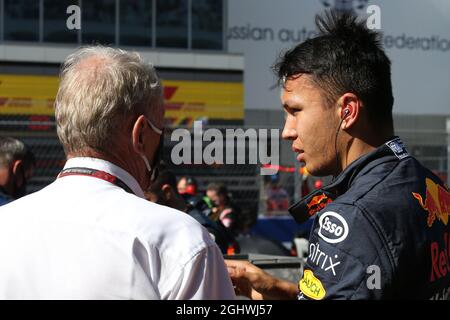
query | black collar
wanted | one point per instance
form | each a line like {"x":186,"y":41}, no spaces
{"x":393,"y":150}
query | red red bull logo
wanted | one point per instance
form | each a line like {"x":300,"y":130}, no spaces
{"x":440,"y":263}
{"x":317,"y":203}
{"x":437,"y":202}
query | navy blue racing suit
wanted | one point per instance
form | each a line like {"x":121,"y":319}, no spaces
{"x":380,"y":231}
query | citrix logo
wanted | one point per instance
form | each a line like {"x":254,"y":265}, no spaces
{"x":315,"y":256}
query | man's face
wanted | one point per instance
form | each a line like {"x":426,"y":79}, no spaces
{"x":21,"y":183}
{"x":181,"y":186}
{"x":212,"y":194}
{"x":14,"y":178}
{"x":310,"y":124}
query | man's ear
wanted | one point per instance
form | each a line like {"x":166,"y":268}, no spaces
{"x":349,"y":110}
{"x":17,"y":165}
{"x":136,"y":134}
{"x":167,"y":191}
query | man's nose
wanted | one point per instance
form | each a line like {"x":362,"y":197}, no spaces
{"x":289,"y":131}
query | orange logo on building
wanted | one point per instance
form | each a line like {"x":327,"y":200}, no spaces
{"x":317,"y":203}
{"x":437,"y":202}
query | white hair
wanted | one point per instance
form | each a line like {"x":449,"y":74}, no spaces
{"x":99,"y":88}
{"x":10,"y":150}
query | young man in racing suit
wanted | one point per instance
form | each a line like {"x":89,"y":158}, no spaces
{"x":381,"y":228}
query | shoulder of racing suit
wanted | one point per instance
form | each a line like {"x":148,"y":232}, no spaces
{"x":371,"y":236}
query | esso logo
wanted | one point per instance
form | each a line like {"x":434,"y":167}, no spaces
{"x":333,"y":228}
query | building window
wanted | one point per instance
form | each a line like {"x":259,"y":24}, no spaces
{"x":172,"y":23}
{"x":21,"y":20}
{"x":207,"y":24}
{"x":140,"y":23}
{"x":55,"y":19}
{"x":136,"y":23}
{"x":98,"y":22}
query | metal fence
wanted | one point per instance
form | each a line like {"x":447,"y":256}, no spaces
{"x":242,"y":180}
{"x":247,"y":187}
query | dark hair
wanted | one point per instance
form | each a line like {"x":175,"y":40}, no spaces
{"x":344,"y":57}
{"x":219,"y":188}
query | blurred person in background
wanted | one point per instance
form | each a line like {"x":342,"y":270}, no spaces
{"x":305,"y":182}
{"x":188,"y":188}
{"x":277,"y":197}
{"x":164,"y":191}
{"x":187,"y":185}
{"x":223,"y":208}
{"x":91,"y":234}
{"x":16,"y":169}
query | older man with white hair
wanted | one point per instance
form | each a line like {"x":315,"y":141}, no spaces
{"x":91,"y":234}
{"x":16,"y":168}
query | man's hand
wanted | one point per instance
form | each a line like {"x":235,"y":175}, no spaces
{"x":254,"y":283}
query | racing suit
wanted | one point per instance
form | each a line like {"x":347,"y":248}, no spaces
{"x":380,"y":231}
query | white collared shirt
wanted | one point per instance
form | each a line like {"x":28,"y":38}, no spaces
{"x":85,"y":238}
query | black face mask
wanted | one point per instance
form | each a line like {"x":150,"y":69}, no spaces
{"x":20,"y":191}
{"x":157,"y":158}
{"x":161,"y":200}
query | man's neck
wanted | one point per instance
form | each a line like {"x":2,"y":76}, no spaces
{"x":114,"y":159}
{"x":90,"y":153}
{"x":6,"y":180}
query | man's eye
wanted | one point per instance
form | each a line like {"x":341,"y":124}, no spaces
{"x":291,"y":111}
